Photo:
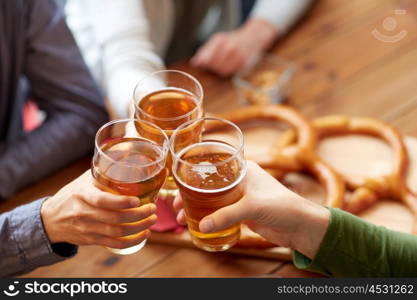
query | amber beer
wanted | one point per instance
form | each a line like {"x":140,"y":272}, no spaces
{"x":131,"y":166}
{"x":176,"y":101}
{"x":115,"y":177}
{"x":210,"y":176}
{"x":169,"y":108}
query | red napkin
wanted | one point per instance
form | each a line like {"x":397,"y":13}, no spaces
{"x":166,"y":218}
{"x":31,"y":116}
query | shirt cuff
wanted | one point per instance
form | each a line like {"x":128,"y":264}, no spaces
{"x":351,"y":247}
{"x":281,"y":14}
{"x":31,"y":239}
{"x":326,"y":250}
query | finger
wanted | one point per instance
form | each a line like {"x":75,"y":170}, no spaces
{"x":178,"y":203}
{"x":120,"y":230}
{"x":229,"y":66}
{"x":100,"y":199}
{"x":122,"y":242}
{"x":225,"y":56}
{"x":181,"y":217}
{"x":122,"y":216}
{"x":207,"y":53}
{"x":224,"y":217}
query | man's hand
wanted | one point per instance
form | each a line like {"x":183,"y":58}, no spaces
{"x":81,"y":214}
{"x":228,"y":52}
{"x":273,"y":211}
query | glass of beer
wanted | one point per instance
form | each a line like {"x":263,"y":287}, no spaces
{"x":210,"y":175}
{"x":168,"y":99}
{"x":127,"y":163}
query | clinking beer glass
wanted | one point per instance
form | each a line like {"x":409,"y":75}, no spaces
{"x":168,"y":99}
{"x":127,"y":163}
{"x":210,"y":175}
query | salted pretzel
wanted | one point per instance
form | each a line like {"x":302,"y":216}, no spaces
{"x":367,"y":191}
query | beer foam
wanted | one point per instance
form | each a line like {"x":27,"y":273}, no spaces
{"x":205,"y":169}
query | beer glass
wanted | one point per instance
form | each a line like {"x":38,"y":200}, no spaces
{"x":168,"y":99}
{"x":126,"y":163}
{"x":209,"y":173}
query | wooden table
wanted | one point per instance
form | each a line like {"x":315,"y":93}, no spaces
{"x":342,"y":68}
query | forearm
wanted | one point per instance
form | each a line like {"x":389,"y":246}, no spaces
{"x":353,"y":247}
{"x":121,"y":84}
{"x":24,"y":245}
{"x":127,"y":50}
{"x":281,"y":14}
{"x":63,"y":138}
{"x":264,"y":32}
{"x":62,"y":86}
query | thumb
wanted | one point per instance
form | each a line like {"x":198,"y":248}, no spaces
{"x":224,"y":218}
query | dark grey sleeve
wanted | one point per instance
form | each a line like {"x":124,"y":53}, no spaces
{"x":24,"y":244}
{"x":64,"y":89}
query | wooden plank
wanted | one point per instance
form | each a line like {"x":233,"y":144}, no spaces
{"x":376,"y":92}
{"x":407,"y":120}
{"x":327,"y":19}
{"x":95,"y":261}
{"x":323,"y":68}
{"x":196,"y":263}
{"x":47,"y":186}
{"x":184,"y":240}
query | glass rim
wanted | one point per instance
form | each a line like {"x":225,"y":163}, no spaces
{"x":164,"y":148}
{"x":153,"y":74}
{"x":236,"y":151}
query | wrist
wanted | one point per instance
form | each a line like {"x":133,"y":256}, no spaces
{"x":311,"y":231}
{"x":47,"y":220}
{"x":264,"y":32}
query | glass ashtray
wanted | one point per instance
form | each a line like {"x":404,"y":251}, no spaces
{"x":264,"y":81}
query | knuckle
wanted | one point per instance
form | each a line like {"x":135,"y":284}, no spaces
{"x":78,"y":195}
{"x":116,"y":231}
{"x":78,"y":210}
{"x":82,"y":229}
{"x":115,"y":218}
{"x":96,"y":200}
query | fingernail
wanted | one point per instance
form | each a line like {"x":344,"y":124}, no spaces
{"x":135,"y":202}
{"x":206,"y":225}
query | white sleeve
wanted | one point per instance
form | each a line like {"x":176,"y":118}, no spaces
{"x":281,"y":13}
{"x":122,"y":30}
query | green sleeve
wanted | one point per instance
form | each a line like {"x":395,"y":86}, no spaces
{"x":353,"y":247}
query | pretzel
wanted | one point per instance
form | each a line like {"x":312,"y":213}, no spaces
{"x":367,"y":191}
{"x":292,"y":158}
